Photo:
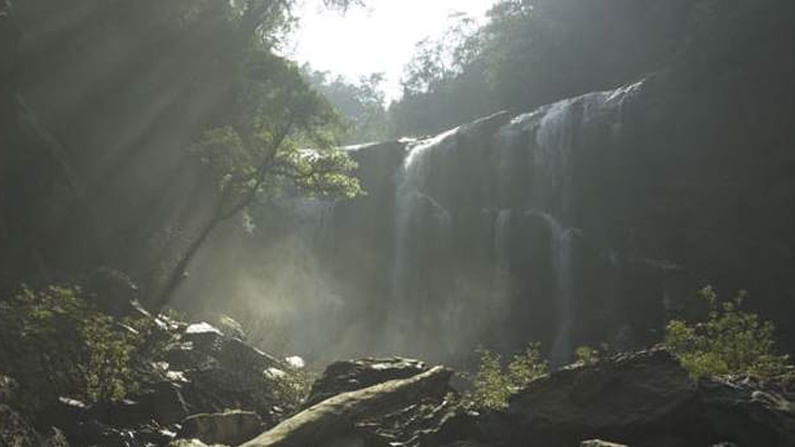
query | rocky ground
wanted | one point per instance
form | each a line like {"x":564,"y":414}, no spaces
{"x":209,"y":387}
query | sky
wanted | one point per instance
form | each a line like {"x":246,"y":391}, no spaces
{"x":378,"y":38}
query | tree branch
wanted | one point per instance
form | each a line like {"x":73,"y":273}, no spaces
{"x":262,"y":171}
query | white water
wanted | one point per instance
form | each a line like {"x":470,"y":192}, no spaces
{"x":502,"y":239}
{"x":553,"y":132}
{"x":411,"y":199}
{"x":561,"y":254}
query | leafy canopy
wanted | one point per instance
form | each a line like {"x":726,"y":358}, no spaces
{"x":282,"y":140}
{"x":361,"y":104}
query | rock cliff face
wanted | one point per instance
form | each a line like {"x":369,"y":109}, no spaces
{"x":592,"y":219}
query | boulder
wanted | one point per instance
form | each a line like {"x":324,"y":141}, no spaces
{"x":164,"y":402}
{"x":65,"y":413}
{"x":600,"y":443}
{"x":230,"y":428}
{"x":8,"y":389}
{"x":161,"y":402}
{"x":340,"y":417}
{"x":748,"y":413}
{"x":350,"y":375}
{"x":56,"y":438}
{"x":113,"y":292}
{"x":647,"y":399}
{"x":378,"y":403}
{"x":213,"y":372}
{"x":186,"y":443}
{"x":430,"y":420}
{"x":184,"y":356}
{"x":238,"y":355}
{"x":203,"y":336}
{"x":14,"y":430}
{"x":645,"y":396}
{"x":227,"y":325}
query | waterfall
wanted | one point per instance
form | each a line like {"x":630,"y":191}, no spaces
{"x":502,"y":240}
{"x":412,"y":199}
{"x":460,"y":263}
{"x":500,"y":288}
{"x":551,"y":155}
{"x":314,"y":220}
{"x":557,"y":128}
{"x":561,"y":257}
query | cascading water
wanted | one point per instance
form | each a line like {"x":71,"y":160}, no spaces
{"x":314,"y":221}
{"x":550,"y":138}
{"x":550,"y":159}
{"x":561,"y":257}
{"x":483,"y":224}
{"x":502,"y":241}
{"x":412,"y":200}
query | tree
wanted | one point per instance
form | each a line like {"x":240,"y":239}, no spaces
{"x":443,"y":84}
{"x":533,"y":52}
{"x":263,"y":150}
{"x":361,"y":104}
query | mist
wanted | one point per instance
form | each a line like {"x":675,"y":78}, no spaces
{"x":296,"y":219}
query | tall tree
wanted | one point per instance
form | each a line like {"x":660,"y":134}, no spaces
{"x":281,"y":141}
{"x":361,"y":104}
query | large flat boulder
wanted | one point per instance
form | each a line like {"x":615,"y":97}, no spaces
{"x":644,"y":399}
{"x":338,"y":417}
{"x":646,"y":395}
{"x":351,"y":375}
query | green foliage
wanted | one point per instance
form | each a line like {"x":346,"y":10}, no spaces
{"x":57,"y":343}
{"x":587,"y":355}
{"x":494,"y":384}
{"x":361,"y":104}
{"x":532,"y":52}
{"x":444,"y":83}
{"x":265,"y":150}
{"x":728,"y":341}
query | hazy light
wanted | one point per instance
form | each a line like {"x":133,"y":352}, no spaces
{"x":380,"y":38}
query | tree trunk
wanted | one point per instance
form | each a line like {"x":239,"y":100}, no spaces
{"x":177,"y":274}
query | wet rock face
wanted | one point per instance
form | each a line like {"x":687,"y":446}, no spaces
{"x":602,"y":213}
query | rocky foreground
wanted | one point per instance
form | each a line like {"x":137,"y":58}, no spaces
{"x":211,"y":388}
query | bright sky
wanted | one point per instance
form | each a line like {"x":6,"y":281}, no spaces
{"x":379,"y":38}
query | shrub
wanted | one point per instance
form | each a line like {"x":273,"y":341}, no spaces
{"x":56,"y":343}
{"x":587,"y":355}
{"x":728,"y":342}
{"x":493,"y":384}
